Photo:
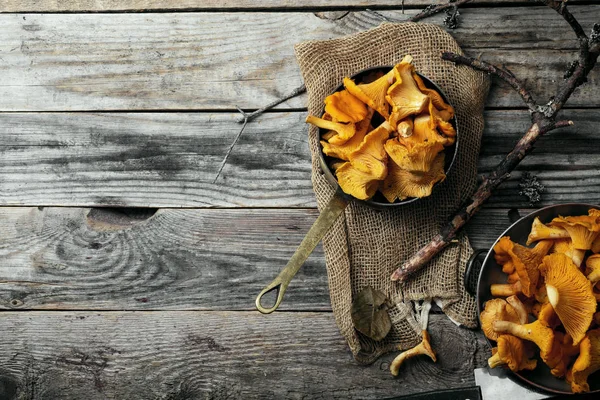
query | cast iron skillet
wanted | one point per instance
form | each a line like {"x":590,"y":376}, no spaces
{"x":340,"y":200}
{"x":491,"y":273}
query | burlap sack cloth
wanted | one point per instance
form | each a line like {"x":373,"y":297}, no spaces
{"x":366,"y":245}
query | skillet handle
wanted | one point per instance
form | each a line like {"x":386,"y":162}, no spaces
{"x":470,"y":270}
{"x":321,"y":226}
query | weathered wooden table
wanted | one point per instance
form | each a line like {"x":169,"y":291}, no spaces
{"x":126,"y":273}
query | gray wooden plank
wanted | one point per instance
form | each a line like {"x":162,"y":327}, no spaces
{"x":204,"y":61}
{"x":171,"y":159}
{"x":81,"y":259}
{"x":189,"y":355}
{"x":144,"y":5}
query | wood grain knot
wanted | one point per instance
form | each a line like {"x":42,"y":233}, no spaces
{"x":118,"y":218}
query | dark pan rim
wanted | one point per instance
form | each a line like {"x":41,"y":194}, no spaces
{"x":453,"y":150}
{"x":485,"y":265}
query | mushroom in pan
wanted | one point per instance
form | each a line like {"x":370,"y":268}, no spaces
{"x":445,"y":110}
{"x":569,"y":293}
{"x":587,"y":363}
{"x":344,"y":131}
{"x":510,"y":351}
{"x":540,"y":231}
{"x":372,"y":94}
{"x":592,"y":268}
{"x":506,"y":289}
{"x":566,"y":247}
{"x":356,"y":183}
{"x":404,"y":96}
{"x":583,"y":229}
{"x":537,"y":332}
{"x":497,"y":310}
{"x":342,"y":151}
{"x":417,"y":159}
{"x":370,"y":156}
{"x":402,"y":184}
{"x":344,"y":107}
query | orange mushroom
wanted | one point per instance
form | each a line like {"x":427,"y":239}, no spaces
{"x":566,"y":247}
{"x":417,"y":159}
{"x":587,"y":362}
{"x":370,"y":156}
{"x":540,"y":231}
{"x":344,"y":131}
{"x":402,"y":184}
{"x":569,"y":293}
{"x":592,"y":268}
{"x":510,"y":351}
{"x":444,"y":109}
{"x":354,"y":182}
{"x":497,"y":310}
{"x":404,"y":96}
{"x":344,"y":107}
{"x":342,"y":151}
{"x":373,"y":94}
{"x":583,"y":229}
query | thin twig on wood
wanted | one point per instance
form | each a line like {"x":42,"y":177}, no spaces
{"x":434,"y":9}
{"x":501,"y":73}
{"x":543,"y":121}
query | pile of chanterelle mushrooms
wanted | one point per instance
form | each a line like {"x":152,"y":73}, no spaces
{"x":402,"y":157}
{"x":556,"y":283}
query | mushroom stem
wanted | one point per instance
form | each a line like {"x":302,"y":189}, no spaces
{"x":422,"y":348}
{"x":519,"y":308}
{"x":552,"y":295}
{"x":505,"y":290}
{"x":495,"y":361}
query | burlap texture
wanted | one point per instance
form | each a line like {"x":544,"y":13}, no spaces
{"x":366,"y":245}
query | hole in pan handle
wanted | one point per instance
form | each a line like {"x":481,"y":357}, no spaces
{"x":471,"y":283}
{"x":326,"y":218}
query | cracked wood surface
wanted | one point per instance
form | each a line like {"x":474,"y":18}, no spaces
{"x":171,"y":159}
{"x":211,"y":355}
{"x":184,"y":280}
{"x":204,"y":61}
{"x":102,"y":259}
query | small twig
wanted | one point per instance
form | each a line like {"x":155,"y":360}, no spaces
{"x":237,"y":137}
{"x":506,"y":76}
{"x":434,"y":9}
{"x":247,"y":117}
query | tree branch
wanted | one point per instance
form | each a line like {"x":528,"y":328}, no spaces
{"x":434,"y":9}
{"x":505,"y":75}
{"x":543,"y":121}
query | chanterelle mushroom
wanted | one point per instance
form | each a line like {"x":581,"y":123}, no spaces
{"x":344,"y":107}
{"x":540,"y":231}
{"x":422,"y":348}
{"x":511,"y":352}
{"x":506,"y":289}
{"x":566,"y":247}
{"x":404,"y":96}
{"x":445,"y":110}
{"x":587,"y":363}
{"x":342,"y":151}
{"x":401,"y":184}
{"x":353,"y":181}
{"x":373,"y":94}
{"x":419,"y":158}
{"x":344,"y":131}
{"x":370,"y":157}
{"x":569,"y":293}
{"x":592,"y":268}
{"x":497,"y":310}
{"x":583,"y":229}
{"x":537,"y":332}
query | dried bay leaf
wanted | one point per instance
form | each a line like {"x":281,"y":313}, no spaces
{"x":369,"y":314}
